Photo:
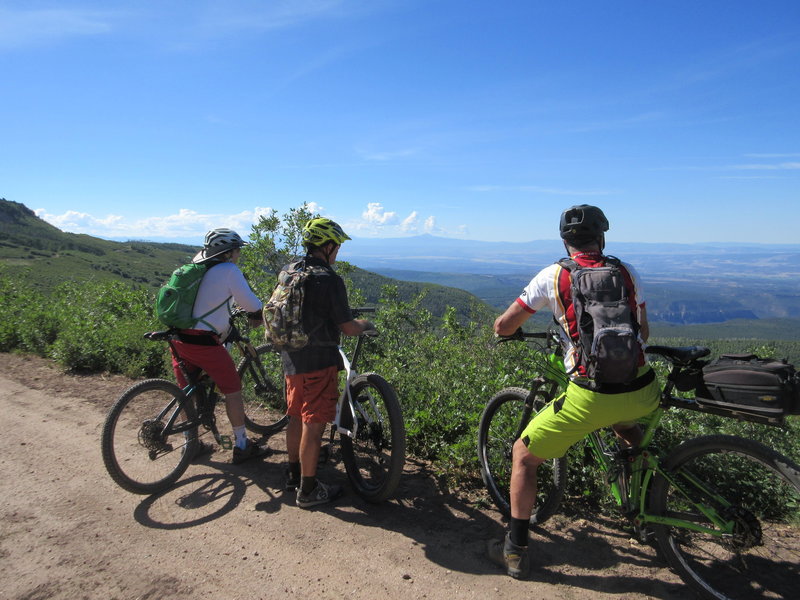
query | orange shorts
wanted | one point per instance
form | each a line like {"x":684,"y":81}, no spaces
{"x":312,"y":396}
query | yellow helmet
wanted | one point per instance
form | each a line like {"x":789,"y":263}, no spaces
{"x":320,"y":231}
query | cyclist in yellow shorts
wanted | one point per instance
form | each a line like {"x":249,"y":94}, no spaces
{"x":587,"y":405}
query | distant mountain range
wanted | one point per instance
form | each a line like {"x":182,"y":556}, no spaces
{"x":43,"y":256}
{"x":686,"y":284}
{"x":447,"y":255}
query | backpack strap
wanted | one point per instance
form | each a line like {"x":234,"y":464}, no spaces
{"x":201,"y":318}
{"x":568,"y":263}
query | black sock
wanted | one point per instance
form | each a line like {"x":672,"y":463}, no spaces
{"x":518,"y":531}
{"x":307,"y":484}
{"x":294,"y":469}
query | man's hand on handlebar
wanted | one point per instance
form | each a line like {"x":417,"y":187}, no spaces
{"x":368,"y":328}
{"x":516,"y":336}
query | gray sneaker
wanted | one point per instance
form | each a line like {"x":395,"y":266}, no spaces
{"x":321,"y":494}
{"x":510,"y":556}
{"x":251,"y":450}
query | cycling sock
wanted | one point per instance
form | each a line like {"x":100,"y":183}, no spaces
{"x":241,"y":437}
{"x":294,"y":470}
{"x":307,"y":484}
{"x":518,"y":531}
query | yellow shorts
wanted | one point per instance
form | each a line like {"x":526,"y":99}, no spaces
{"x":565,"y":421}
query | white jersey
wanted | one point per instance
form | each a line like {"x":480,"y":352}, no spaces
{"x":222,"y":286}
{"x":550,"y":287}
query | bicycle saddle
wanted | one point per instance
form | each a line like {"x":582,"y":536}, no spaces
{"x":684,"y":354}
{"x":158,"y":336}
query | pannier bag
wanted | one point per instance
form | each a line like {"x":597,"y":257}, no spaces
{"x":749,"y":387}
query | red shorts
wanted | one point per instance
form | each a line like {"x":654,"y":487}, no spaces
{"x":312,"y":396}
{"x":214,"y":360}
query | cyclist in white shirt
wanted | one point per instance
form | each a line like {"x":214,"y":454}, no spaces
{"x":201,"y":347}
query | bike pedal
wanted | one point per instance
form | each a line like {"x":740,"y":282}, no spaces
{"x":225,"y":442}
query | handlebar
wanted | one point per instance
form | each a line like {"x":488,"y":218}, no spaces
{"x":520,"y":336}
{"x":362,"y":310}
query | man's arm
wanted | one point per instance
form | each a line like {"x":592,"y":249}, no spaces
{"x":512,"y":319}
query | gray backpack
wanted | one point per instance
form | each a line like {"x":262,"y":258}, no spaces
{"x":608,"y":341}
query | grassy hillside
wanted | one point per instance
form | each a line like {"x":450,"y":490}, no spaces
{"x":44,"y":256}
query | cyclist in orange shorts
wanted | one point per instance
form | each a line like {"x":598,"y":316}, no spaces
{"x":312,"y":384}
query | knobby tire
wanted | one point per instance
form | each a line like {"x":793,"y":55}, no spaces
{"x":136,"y":454}
{"x":374,"y":460}
{"x":263,"y":391}
{"x":501,"y":424}
{"x":761,"y":559}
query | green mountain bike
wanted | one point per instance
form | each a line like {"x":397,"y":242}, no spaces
{"x":724,"y":510}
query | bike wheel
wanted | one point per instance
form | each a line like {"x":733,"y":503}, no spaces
{"x":374,"y":459}
{"x":263,"y":391}
{"x":136,"y":453}
{"x":501,"y":424}
{"x":750,"y":486}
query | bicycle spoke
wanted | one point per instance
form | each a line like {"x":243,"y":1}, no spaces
{"x":262,"y":391}
{"x":758,"y":555}
{"x":374,"y":458}
{"x":145,"y":447}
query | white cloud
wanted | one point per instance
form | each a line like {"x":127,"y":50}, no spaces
{"x":537,"y":190}
{"x":786,"y":166}
{"x":410,"y":222}
{"x":315,"y":208}
{"x":185,"y":225}
{"x":377,"y":215}
{"x":35,"y":27}
{"x":430,"y":225}
{"x":775,"y":155}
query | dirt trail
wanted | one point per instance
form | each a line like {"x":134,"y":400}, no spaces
{"x":67,"y":531}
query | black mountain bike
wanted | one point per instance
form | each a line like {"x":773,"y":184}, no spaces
{"x":152,"y":432}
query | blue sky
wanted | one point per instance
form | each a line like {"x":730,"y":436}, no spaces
{"x":479,"y":120}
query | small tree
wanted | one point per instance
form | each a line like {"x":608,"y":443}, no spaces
{"x":274,"y":242}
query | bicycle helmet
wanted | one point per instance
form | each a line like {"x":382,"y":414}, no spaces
{"x":218,"y":241}
{"x":583,"y":223}
{"x":320,"y":231}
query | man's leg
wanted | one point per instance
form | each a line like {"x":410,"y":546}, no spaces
{"x":512,"y":552}
{"x":523,"y":480}
{"x":631,"y":435}
{"x":310,"y":443}
{"x":244,"y":448}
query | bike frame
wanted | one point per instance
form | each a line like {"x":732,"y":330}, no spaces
{"x":200,"y":383}
{"x":346,"y":399}
{"x":629,"y":491}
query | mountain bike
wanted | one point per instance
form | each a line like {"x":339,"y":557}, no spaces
{"x":152,"y":431}
{"x":724,"y":510}
{"x":369,"y":421}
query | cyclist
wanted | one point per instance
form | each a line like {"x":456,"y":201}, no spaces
{"x":311,"y":373}
{"x":202,"y":347}
{"x":587,"y":406}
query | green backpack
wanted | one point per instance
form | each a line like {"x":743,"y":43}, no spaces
{"x":175,"y":299}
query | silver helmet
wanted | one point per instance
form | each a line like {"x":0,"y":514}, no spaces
{"x":219,"y":241}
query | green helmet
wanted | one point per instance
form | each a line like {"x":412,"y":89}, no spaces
{"x":320,"y":231}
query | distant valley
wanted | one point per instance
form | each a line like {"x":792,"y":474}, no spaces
{"x":707,"y":290}
{"x":686,"y":284}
